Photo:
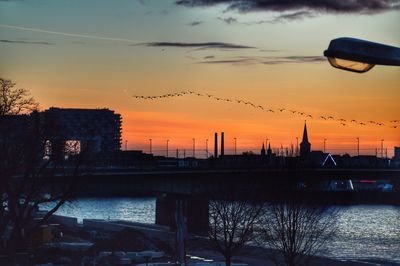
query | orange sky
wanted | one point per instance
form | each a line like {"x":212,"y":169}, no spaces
{"x":66,"y":70}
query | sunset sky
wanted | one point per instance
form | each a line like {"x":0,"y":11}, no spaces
{"x":98,"y":53}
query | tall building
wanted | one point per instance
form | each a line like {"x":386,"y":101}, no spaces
{"x":305,"y":145}
{"x":96,"y":130}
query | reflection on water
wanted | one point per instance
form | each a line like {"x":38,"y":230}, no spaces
{"x":365,"y":231}
{"x":368,"y":231}
{"x":130,"y":209}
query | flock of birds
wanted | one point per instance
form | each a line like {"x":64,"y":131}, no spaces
{"x":342,"y":121}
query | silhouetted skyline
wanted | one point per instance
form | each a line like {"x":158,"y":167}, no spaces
{"x":269,"y":55}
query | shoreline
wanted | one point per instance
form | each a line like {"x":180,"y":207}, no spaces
{"x":198,"y":246}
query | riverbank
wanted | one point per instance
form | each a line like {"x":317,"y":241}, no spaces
{"x":129,"y":237}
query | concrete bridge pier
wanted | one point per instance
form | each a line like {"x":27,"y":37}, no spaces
{"x":197,"y":213}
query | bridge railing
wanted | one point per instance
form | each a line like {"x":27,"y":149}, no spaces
{"x":283,"y":151}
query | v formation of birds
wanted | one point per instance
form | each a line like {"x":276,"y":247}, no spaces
{"x":344,"y":122}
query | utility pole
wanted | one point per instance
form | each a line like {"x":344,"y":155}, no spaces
{"x":194,"y":147}
{"x":382,"y":140}
{"x":297,"y":146}
{"x":126,"y":145}
{"x":206,"y":148}
{"x":150,"y":146}
{"x":235,"y":139}
{"x":358,"y":146}
{"x":325,"y":145}
{"x":167,"y":147}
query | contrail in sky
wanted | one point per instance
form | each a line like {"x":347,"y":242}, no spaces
{"x":76,"y":35}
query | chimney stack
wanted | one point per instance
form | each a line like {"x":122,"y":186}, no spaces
{"x":215,"y":145}
{"x":222,"y":144}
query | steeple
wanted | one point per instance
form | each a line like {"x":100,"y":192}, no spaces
{"x":269,"y":151}
{"x":263,"y":150}
{"x":305,"y":135}
{"x":305,"y":145}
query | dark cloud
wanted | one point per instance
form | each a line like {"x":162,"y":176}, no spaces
{"x":294,"y":16}
{"x":314,"y":6}
{"x":200,"y":45}
{"x":294,"y":59}
{"x":267,"y":60}
{"x":231,"y":62}
{"x":195,"y":23}
{"x":229,"y":20}
{"x":26,"y":42}
{"x":208,"y":57}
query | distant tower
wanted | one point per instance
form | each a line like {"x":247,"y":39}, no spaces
{"x":305,"y":145}
{"x":222,"y":144}
{"x":215,"y":145}
{"x":263,"y":150}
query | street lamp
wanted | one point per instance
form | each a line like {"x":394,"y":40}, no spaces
{"x":206,"y":148}
{"x":194,"y":147}
{"x":359,"y":55}
{"x":150,"y":146}
{"x":167,"y":147}
{"x":358,"y":147}
{"x":235,"y":139}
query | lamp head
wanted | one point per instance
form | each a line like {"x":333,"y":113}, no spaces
{"x":359,"y":55}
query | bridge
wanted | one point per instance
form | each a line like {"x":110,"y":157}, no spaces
{"x":195,"y":187}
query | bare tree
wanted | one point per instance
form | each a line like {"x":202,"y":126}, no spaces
{"x":14,"y":101}
{"x":232,"y":225}
{"x":24,"y":173}
{"x":297,"y":231}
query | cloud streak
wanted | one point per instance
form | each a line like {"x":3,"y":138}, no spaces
{"x":266,"y":60}
{"x":198,"y":45}
{"x":26,"y":42}
{"x":195,"y":23}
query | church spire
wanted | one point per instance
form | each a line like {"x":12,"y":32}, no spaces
{"x":305,"y":145}
{"x":305,"y":135}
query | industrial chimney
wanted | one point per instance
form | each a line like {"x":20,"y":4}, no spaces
{"x":222,"y":144}
{"x":215,"y":145}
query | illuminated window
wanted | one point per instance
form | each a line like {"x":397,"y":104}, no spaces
{"x":72,"y":147}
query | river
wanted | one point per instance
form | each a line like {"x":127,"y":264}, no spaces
{"x":365,"y":231}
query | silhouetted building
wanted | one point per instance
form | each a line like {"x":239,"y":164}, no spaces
{"x":396,"y":153}
{"x":305,"y":145}
{"x":95,"y":130}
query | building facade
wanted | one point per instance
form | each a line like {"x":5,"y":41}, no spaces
{"x":96,"y":130}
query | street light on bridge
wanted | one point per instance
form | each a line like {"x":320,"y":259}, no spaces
{"x":167,"y":147}
{"x":150,"y":146}
{"x":194,"y":147}
{"x":359,"y":55}
{"x":206,"y":148}
{"x":358,"y":146}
